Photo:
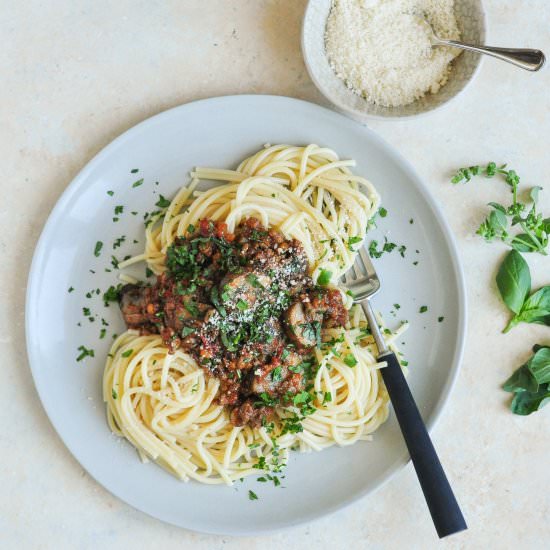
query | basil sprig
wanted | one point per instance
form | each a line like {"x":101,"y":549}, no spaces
{"x":530,"y":384}
{"x":501,"y":221}
{"x":514,"y":283}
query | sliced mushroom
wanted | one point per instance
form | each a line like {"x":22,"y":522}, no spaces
{"x":133,"y":304}
{"x":303,"y":325}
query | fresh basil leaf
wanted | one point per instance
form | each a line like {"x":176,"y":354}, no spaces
{"x":526,"y":402}
{"x":522,"y":380}
{"x":498,"y":221}
{"x":514,"y":281}
{"x":539,"y":365}
{"x":536,"y":308}
{"x":523,"y":243}
{"x":535,"y":316}
{"x":498,"y":207}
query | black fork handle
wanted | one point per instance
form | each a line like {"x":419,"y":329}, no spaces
{"x":446,"y":514}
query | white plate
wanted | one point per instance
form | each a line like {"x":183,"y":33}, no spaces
{"x":220,"y":132}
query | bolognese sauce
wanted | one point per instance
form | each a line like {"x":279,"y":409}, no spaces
{"x":244,"y":306}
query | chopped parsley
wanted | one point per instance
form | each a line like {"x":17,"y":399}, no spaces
{"x":127,"y":353}
{"x":163,"y":202}
{"x":134,"y":171}
{"x":137,"y":183}
{"x":119,"y":209}
{"x":252,"y":495}
{"x":350,"y":360}
{"x":118,"y":242}
{"x":382,"y":212}
{"x":84,"y":352}
{"x":97,"y":249}
{"x":352,"y":241}
{"x":388,"y":246}
{"x":71,"y":289}
{"x":440,"y":319}
{"x":112,"y":294}
{"x":110,"y":193}
{"x":423,"y":309}
{"x":324,"y":277}
{"x":186,"y":331}
{"x":242,"y":305}
{"x":277,"y":374}
{"x":114,"y":394}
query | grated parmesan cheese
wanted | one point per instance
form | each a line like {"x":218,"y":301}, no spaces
{"x":382,"y":51}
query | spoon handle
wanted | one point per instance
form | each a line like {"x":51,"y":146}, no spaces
{"x":531,"y":60}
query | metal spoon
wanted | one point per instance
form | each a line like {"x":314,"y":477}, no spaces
{"x":531,"y":60}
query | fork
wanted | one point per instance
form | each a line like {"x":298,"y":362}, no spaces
{"x":363,"y":282}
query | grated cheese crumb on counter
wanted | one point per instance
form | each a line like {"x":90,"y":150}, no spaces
{"x":381,"y":48}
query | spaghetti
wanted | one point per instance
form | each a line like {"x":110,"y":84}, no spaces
{"x":166,"y":405}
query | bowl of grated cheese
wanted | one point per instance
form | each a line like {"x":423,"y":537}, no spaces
{"x":374,"y":59}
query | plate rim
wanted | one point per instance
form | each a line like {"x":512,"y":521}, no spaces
{"x":33,"y":284}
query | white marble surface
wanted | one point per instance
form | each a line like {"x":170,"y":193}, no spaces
{"x":75,"y":74}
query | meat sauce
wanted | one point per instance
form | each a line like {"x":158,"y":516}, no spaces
{"x":243,"y":305}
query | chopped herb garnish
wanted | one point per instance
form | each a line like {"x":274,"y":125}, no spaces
{"x":352,"y":241}
{"x":382,"y":212}
{"x":134,"y":171}
{"x":277,"y":374}
{"x":350,"y":360}
{"x":423,"y":309}
{"x":252,"y":495}
{"x":114,"y":393}
{"x":242,"y":305}
{"x":118,"y":242}
{"x":71,"y":289}
{"x":102,"y":333}
{"x":324,"y":277}
{"x":127,"y":353}
{"x":119,"y":209}
{"x":163,"y":202}
{"x":186,"y":331}
{"x":112,"y":294}
{"x":97,"y":249}
{"x":137,"y":183}
{"x":110,"y":193}
{"x":440,"y":319}
{"x":84,"y":352}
